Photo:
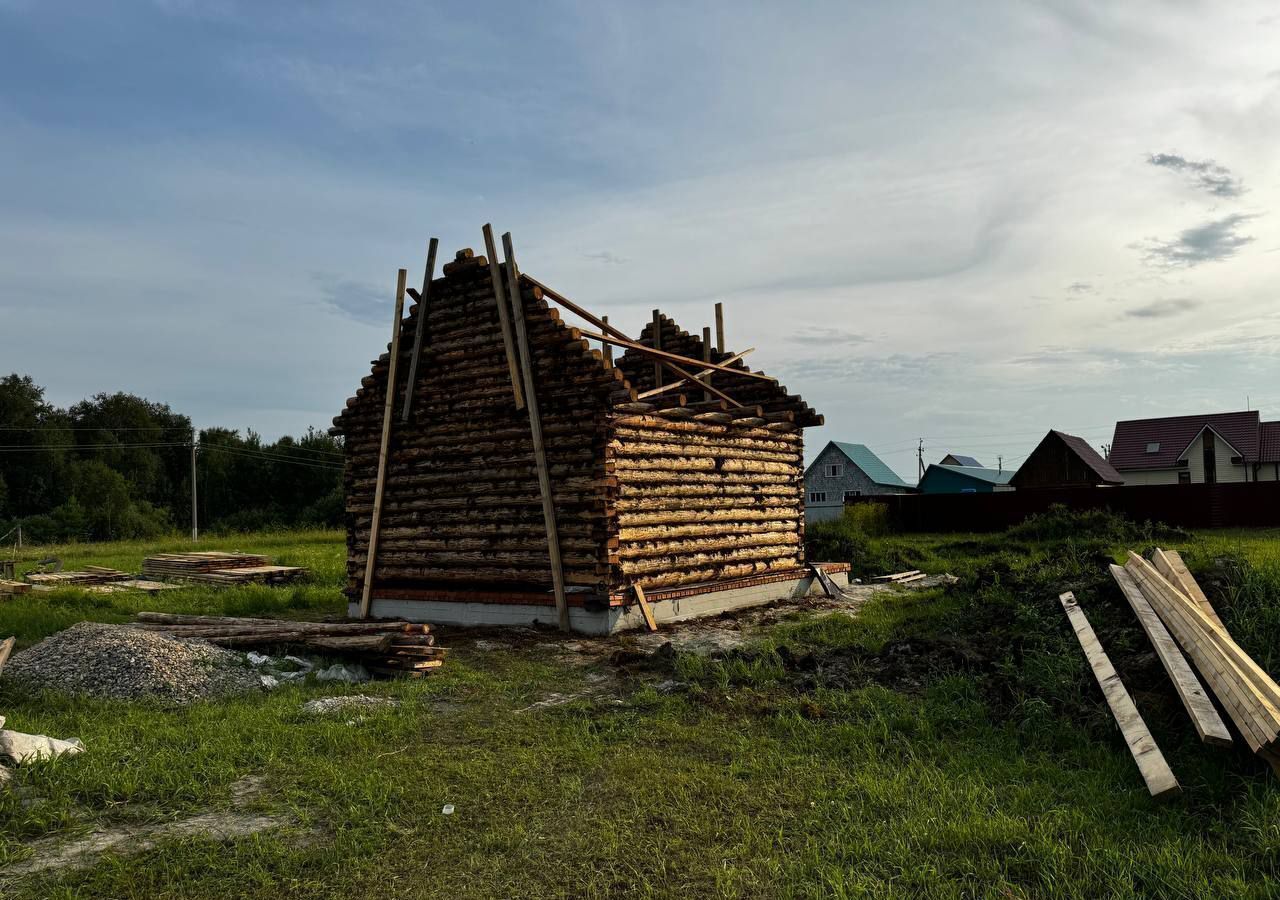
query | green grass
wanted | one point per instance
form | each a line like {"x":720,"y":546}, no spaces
{"x":803,"y":766}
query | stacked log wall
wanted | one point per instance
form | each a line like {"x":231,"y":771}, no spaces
{"x":462,"y":505}
{"x":701,"y":501}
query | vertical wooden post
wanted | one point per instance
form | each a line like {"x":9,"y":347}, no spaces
{"x":607,"y":348}
{"x":504,"y":314}
{"x":706,"y":357}
{"x":720,"y":328}
{"x":535,"y":428}
{"x":657,"y":345}
{"x":420,"y":329}
{"x":367,"y":587}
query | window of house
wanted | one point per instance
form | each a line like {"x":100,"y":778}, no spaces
{"x":849,"y":495}
{"x":835,"y":470}
{"x":1184,"y":477}
{"x":1153,"y":447}
{"x":817,"y":496}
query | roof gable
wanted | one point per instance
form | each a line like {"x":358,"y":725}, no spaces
{"x":870,"y":465}
{"x":1269,"y":442}
{"x":1092,"y":458}
{"x":959,"y":460}
{"x":1170,"y":437}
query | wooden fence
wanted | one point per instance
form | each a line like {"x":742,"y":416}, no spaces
{"x":1252,"y":504}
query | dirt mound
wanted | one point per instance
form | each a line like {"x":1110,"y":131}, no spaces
{"x":118,"y":662}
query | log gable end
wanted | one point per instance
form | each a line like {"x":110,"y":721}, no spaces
{"x":657,"y":494}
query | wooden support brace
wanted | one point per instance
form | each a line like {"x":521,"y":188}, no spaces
{"x":606,"y":349}
{"x":703,"y":376}
{"x":657,"y":345}
{"x":621,"y":340}
{"x":720,"y":328}
{"x":380,"y":484}
{"x":535,"y":428}
{"x":645,"y":609}
{"x":420,"y":329}
{"x":504,"y":315}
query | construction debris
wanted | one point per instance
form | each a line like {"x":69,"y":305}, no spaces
{"x":216,"y":567}
{"x":78,"y":578}
{"x":12,"y":588}
{"x":17,"y":748}
{"x":125,"y":663}
{"x":1151,"y":762}
{"x":388,"y":648}
{"x":899,"y":577}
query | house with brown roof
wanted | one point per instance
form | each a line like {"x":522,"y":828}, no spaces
{"x":1205,"y":449}
{"x":1064,"y":460}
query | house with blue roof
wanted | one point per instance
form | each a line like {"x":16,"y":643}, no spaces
{"x":844,"y":472}
{"x":940,"y":479}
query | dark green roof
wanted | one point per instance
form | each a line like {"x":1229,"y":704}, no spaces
{"x":993,"y":476}
{"x":870,"y":464}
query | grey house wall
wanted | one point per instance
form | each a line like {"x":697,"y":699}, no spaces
{"x":853,"y":479}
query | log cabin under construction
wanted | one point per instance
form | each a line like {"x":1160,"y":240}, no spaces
{"x":516,"y":475}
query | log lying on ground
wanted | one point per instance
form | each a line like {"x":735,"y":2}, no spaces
{"x":382,"y":646}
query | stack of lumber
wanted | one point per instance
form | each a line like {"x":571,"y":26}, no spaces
{"x":389,"y":648}
{"x":79,"y":578}
{"x":216,"y":567}
{"x":14,"y":587}
{"x":1248,"y":694}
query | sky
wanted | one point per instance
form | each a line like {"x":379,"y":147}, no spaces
{"x":962,"y":223}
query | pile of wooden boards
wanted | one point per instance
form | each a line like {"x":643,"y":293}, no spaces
{"x":388,"y":648}
{"x":216,"y":567}
{"x":79,"y":578}
{"x":903,"y":577}
{"x":13,"y":587}
{"x":1178,"y":618}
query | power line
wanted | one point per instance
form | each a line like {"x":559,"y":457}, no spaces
{"x":236,"y":451}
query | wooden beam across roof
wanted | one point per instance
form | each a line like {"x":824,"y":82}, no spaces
{"x":671,"y":386}
{"x":620,"y":339}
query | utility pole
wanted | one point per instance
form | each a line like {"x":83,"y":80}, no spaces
{"x":999,"y":463}
{"x":920,"y":460}
{"x":195,"y":526}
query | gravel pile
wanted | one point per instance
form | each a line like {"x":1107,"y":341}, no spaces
{"x":125,"y":663}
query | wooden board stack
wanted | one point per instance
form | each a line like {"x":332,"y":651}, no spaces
{"x":389,"y":648}
{"x":215,"y":567}
{"x":1249,"y":695}
{"x":78,"y":578}
{"x":9,"y":588}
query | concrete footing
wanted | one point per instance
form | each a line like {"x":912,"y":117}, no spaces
{"x":674,"y":605}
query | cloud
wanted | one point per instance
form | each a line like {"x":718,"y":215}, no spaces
{"x":607,"y":257}
{"x":1211,"y":242}
{"x":1162,"y":309}
{"x":1081,"y":287}
{"x":356,"y":300}
{"x":824,"y":337}
{"x":1204,"y":174}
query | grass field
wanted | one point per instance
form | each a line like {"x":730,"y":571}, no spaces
{"x":940,"y":744}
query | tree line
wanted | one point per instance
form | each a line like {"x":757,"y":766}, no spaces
{"x":118,"y":466}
